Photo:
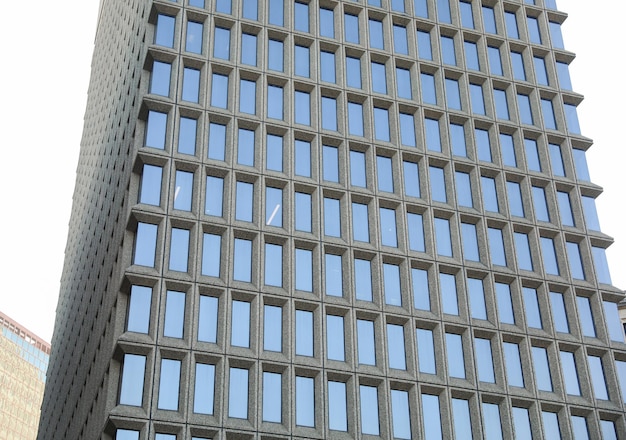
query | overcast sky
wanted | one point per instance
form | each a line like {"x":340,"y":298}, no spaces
{"x":45,"y":77}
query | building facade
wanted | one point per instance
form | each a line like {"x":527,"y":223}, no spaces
{"x":334,"y":219}
{"x":23,"y":364}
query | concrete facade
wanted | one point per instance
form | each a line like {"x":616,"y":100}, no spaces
{"x":334,"y":220}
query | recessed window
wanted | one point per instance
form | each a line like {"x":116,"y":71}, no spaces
{"x":164,"y":32}
{"x":490,"y":194}
{"x":432,"y":134}
{"x":304,"y":333}
{"x":505,"y":303}
{"x":219,"y":90}
{"x":575,"y":261}
{"x":169,"y":384}
{"x":304,"y":270}
{"x":522,"y":250}
{"x":369,"y":410}
{"x":391,"y":284}
{"x":548,"y":251}
{"x":173,"y":324}
{"x":531,"y":303}
{"x":221,"y":43}
{"x":249,"y":9}
{"x":160,"y":79}
{"x":327,"y":23}
{"x":424,"y":45}
{"x":407,"y":129}
{"x":429,"y":95}
{"x":547,"y":108}
{"x":330,"y":163}
{"x":301,"y":17}
{"x":145,"y":244}
{"x":327,"y":66}
{"x":302,"y":212}
{"x":360,"y":223}
{"x":240,"y":324}
{"x":542,"y":369}
{"x":496,"y":246}
{"x":448,"y":53}
{"x":540,"y":204}
{"x":421,"y":291}
{"x":335,"y":349}
{"x":431,"y":416}
{"x":533,"y":30}
{"x":272,"y":401}
{"x":443,"y":239}
{"x":273,"y":271}
{"x":244,"y":201}
{"x":585,"y":316}
{"x":139,"y":309}
{"x":502,"y":105}
{"x":302,"y":107}
{"x":513,"y":363}
{"x":272,"y":328}
{"x":366,"y":343}
{"x":376,"y":34}
{"x":570,"y":373}
{"x":156,"y":127}
{"x":484,"y":360}
{"x":514,"y":192}
{"x":471,"y":55}
{"x":242,"y":257}
{"x":470,"y":242}
{"x":329,"y":113}
{"x":275,"y":52}
{"x":211,"y":250}
{"x":388,"y":233}
{"x":456,"y":360}
{"x":507,"y":149}
{"x":353,"y":72}
{"x":276,"y":12}
{"x":302,"y":159}
{"x":274,"y":102}
{"x":238,"y":393}
{"x":477,"y":99}
{"x":525,"y":112}
{"x":337,"y":406}
{"x":400,"y":42}
{"x":395,"y":347}
{"x":131,"y":388}
{"x":467,"y":17}
{"x":363,"y":279}
{"x":453,"y":94}
{"x":426,"y":351}
{"x":489,"y":20}
{"x":355,"y":119}
{"x":517,"y":62}
{"x":333,"y":275}
{"x":301,"y":60}
{"x":207,"y":319}
{"x":415,"y":226}
{"x":351,"y":28}
{"x":491,"y":421}
{"x":449,"y":296}
{"x":495,"y":61}
{"x":511,"y":25}
{"x":204,"y":389}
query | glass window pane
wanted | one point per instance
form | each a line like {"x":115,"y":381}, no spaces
{"x":496,"y":246}
{"x":456,"y":361}
{"x":301,"y":17}
{"x":238,"y":393}
{"x":461,"y":411}
{"x":204,"y":389}
{"x":388,"y":234}
{"x":360,"y":223}
{"x":335,"y":338}
{"x":585,"y":315}
{"x":491,"y":421}
{"x":392,"y":291}
{"x":533,"y":314}
{"x":332,"y":217}
{"x":302,"y":212}
{"x":511,"y":25}
{"x":490,"y":195}
{"x":449,"y":297}
{"x":484,"y":360}
{"x":376,"y":34}
{"x":351,"y":28}
{"x":131,"y":388}
{"x":501,"y":103}
{"x":570,"y":374}
{"x":304,"y":270}
{"x":505,"y":304}
{"x":369,"y":410}
{"x":174,"y":314}
{"x":513,"y":364}
{"x":207,"y":319}
{"x":443,"y":239}
{"x":333,"y":275}
{"x":542,"y":369}
{"x":301,"y":60}
{"x":327,"y":25}
{"x":139,"y":309}
{"x":522,"y":248}
{"x":426,"y":351}
{"x":240,"y":324}
{"x":353,"y":72}
{"x":272,"y":393}
{"x":160,"y":79}
{"x":275,"y":54}
{"x":438,"y":184}
{"x":424,"y":45}
{"x":273,"y":271}
{"x":431,"y":417}
{"x":302,"y":107}
{"x":219,"y":94}
{"x":421,"y":291}
{"x":521,"y":423}
{"x":457,"y":140}
{"x":272,"y":328}
{"x":276,"y":12}
{"x":327,"y":66}
{"x":156,"y":126}
{"x":366,"y":342}
{"x":337,"y":406}
{"x":304,"y":333}
{"x":477,"y":98}
{"x":400,"y":414}
{"x":429,"y":94}
{"x":395,"y":347}
{"x":169,"y":384}
{"x":415,"y":228}
{"x":363,"y":279}
{"x":242,"y":268}
{"x":517,"y":62}
{"x":516,"y":205}
{"x":489,"y":20}
{"x":508,"y":150}
{"x":470,"y":242}
{"x":411,"y":179}
{"x":164,"y":32}
{"x":145,"y":244}
{"x":471,"y":54}
{"x":221,"y":43}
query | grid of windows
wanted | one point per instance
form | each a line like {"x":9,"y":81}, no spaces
{"x":350,"y":172}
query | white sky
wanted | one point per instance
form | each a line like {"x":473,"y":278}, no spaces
{"x":46,"y":70}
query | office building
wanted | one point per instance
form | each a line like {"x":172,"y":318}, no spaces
{"x":334,"y":219}
{"x":23,"y":363}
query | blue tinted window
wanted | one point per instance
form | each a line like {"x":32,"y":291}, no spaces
{"x":562,"y":71}
{"x":156,"y":126}
{"x":421,"y":8}
{"x":169,"y":384}
{"x":219,"y":91}
{"x":211,"y":249}
{"x":448,"y":53}
{"x":332,"y":217}
{"x":357,"y":169}
{"x":559,"y":313}
{"x":353,"y":72}
{"x":247,"y":96}
{"x":489,"y":20}
{"x":244,"y":201}
{"x":145,"y":244}
{"x":540,"y":71}
{"x":369,"y":410}
{"x":274,"y":102}
{"x":516,"y":206}
{"x":540,"y":204}
{"x":471,"y":54}
{"x":549,"y":256}
{"x":442,"y":237}
{"x":337,"y":406}
{"x":275,"y":55}
{"x":334,"y":277}
{"x":428,"y":88}
{"x":491,"y":421}
{"x":150,"y":192}
{"x":517,"y":62}
{"x":329,"y":113}
{"x":379,"y":79}
{"x":570,"y":373}
{"x":376,"y":34}
{"x":421,"y":291}
{"x":590,"y":212}
{"x":484,"y":360}
{"x":274,"y":151}
{"x":207,"y":319}
{"x":400,"y":43}
{"x":505,"y":304}
{"x":363,"y":279}
{"x":463,"y":189}
{"x":456,"y":360}
{"x":411,"y":179}
{"x":453,"y":94}
{"x":571,"y":117}
{"x":438,"y":184}
{"x":547,"y":109}
{"x":272,"y":328}
{"x":407,"y":129}
{"x":301,"y":17}
{"x":565,"y":208}
{"x":242,"y":257}
{"x":221,"y":41}
{"x":351,"y":28}
{"x":542,"y":369}
{"x":302,"y":162}
{"x":160,"y":79}
{"x":238,"y":393}
{"x":431,"y":417}
{"x":191,"y":85}
{"x":276,"y":12}
{"x":355,"y":119}
{"x":470,"y":242}
{"x":555,"y":35}
{"x":302,"y":212}
{"x":365,"y":340}
{"x":426,"y":351}
{"x":449,"y":296}
{"x":415,"y":228}
{"x":602,"y":265}
{"x":424,"y":45}
{"x":525,"y":112}
{"x":304,"y":333}
{"x":432,"y":134}
{"x":302,"y":107}
{"x":360,"y":224}
{"x":204,"y":389}
{"x":495,"y":62}
{"x":513,"y":363}
{"x":164,"y":32}
{"x":174,"y":314}
{"x":533,"y":30}
{"x":511,"y":25}
{"x":585,"y":315}
{"x":522,"y":248}
{"x":249,"y":9}
{"x":381,"y":124}
{"x":477,"y":99}
{"x":457,"y":140}
{"x":502,"y":105}
{"x":327,"y":25}
{"x":490,"y":194}
{"x":335,"y":338}
{"x":403,"y":82}
{"x":575,"y":261}
{"x":483,"y":144}
{"x":388,"y":234}
{"x":496,"y":246}
{"x":391,"y":277}
{"x":304,"y":270}
{"x":273,"y":271}
{"x":131,"y":388}
{"x":301,"y":60}
{"x":400,"y":414}
{"x":531,"y":303}
{"x":327,"y":66}
{"x":467,"y":17}
{"x":272,"y":402}
{"x":139,"y":309}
